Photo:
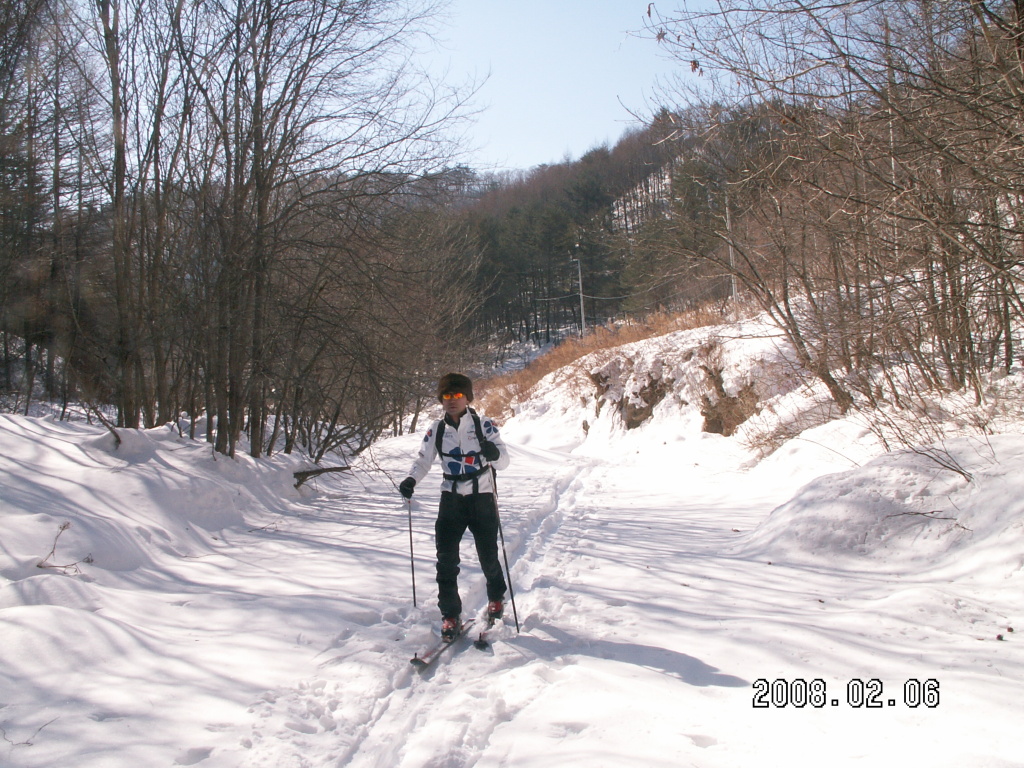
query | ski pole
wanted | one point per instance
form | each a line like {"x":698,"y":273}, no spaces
{"x":412,"y":558}
{"x":504,"y":554}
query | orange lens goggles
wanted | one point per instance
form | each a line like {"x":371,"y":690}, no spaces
{"x":452,"y":395}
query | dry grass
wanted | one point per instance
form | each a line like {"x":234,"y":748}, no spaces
{"x":499,"y":394}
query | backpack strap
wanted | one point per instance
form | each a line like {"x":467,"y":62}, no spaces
{"x":439,"y":437}
{"x":479,"y":427}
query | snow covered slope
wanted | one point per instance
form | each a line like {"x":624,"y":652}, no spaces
{"x":682,"y":601}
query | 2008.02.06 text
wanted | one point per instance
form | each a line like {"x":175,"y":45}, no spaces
{"x":858,"y":694}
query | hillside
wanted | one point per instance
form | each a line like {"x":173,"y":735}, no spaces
{"x":197,"y":610}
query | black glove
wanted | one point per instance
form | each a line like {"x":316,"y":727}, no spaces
{"x":490,"y":451}
{"x":405,"y":487}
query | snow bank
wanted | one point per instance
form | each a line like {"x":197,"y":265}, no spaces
{"x":958,"y":507}
{"x":126,"y":507}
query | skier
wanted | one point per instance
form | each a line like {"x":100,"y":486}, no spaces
{"x":469,"y":446}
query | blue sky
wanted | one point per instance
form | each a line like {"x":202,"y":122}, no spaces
{"x":563,"y":75}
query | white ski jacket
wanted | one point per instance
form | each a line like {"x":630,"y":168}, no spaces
{"x":462,"y":457}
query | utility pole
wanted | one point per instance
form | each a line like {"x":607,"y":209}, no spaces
{"x":732,"y":253}
{"x":579,"y":274}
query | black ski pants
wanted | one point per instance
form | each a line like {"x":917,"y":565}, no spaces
{"x":457,"y":513}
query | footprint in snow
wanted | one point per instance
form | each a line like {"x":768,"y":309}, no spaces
{"x":193,"y":756}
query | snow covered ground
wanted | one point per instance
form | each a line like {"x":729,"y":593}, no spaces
{"x":202,"y":611}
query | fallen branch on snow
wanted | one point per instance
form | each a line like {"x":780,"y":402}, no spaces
{"x":301,"y":477}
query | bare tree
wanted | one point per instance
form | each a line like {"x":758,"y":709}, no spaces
{"x":300,"y":101}
{"x":881,"y":227}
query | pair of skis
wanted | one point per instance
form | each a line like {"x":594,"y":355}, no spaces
{"x":430,"y":655}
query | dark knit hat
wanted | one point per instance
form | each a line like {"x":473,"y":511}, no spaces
{"x":455,"y":382}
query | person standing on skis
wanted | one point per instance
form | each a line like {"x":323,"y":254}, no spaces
{"x":469,"y":448}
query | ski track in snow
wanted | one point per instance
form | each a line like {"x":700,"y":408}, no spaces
{"x":319,"y":721}
{"x":553,"y":547}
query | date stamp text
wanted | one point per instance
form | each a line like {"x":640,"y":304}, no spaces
{"x":857,"y":694}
